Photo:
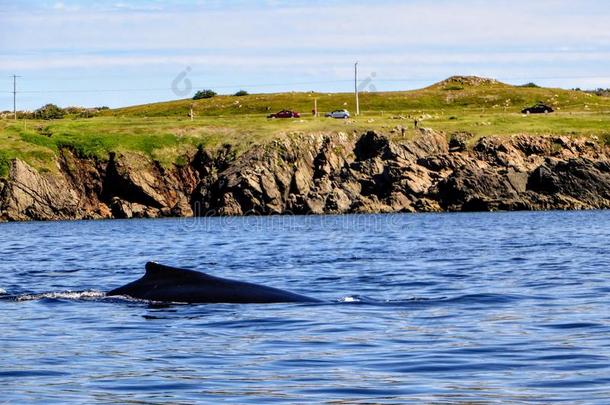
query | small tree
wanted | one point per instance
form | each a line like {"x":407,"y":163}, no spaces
{"x":241,"y":93}
{"x":204,"y":94}
{"x":49,"y":112}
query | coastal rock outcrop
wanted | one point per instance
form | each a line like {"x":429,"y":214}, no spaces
{"x":321,"y":174}
{"x":31,"y":195}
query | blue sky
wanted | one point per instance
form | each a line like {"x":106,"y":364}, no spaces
{"x":120,"y":53}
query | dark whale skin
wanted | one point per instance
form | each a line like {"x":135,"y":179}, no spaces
{"x":171,"y":284}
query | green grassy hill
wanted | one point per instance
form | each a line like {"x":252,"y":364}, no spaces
{"x":455,"y":94}
{"x":164,"y":131}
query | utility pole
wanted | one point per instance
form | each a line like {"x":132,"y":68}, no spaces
{"x":356,"y":88}
{"x":15,"y":95}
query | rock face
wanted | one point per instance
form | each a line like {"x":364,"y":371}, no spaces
{"x":321,"y":174}
{"x":29,"y":195}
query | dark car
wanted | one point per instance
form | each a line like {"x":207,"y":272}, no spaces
{"x":285,"y":114}
{"x":539,"y":108}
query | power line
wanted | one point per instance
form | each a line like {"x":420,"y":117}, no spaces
{"x":259,"y":85}
{"x":226,"y":86}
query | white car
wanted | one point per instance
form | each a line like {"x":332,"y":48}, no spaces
{"x":340,"y":114}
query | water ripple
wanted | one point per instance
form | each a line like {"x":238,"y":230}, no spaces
{"x":439,"y":308}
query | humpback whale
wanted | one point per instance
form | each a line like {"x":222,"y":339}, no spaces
{"x":171,"y":284}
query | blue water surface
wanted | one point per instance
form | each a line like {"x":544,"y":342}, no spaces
{"x":442,"y":308}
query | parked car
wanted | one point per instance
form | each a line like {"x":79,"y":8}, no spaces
{"x":340,"y":114}
{"x":539,"y":108}
{"x":285,"y":114}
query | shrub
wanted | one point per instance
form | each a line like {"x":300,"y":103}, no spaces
{"x":204,"y":94}
{"x":88,"y":113}
{"x":181,"y":161}
{"x":49,"y":112}
{"x":530,"y":84}
{"x":24,"y":114}
{"x":73,"y":110}
{"x":453,"y":88}
{"x":241,"y":93}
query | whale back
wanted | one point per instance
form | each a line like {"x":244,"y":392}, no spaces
{"x":172,"y":284}
{"x":159,"y":273}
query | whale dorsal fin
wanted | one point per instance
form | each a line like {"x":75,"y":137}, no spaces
{"x":156,"y":270}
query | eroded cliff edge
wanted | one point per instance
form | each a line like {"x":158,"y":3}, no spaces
{"x":321,"y":174}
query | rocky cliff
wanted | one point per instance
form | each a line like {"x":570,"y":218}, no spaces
{"x":319,"y":174}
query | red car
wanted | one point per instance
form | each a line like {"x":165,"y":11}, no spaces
{"x":285,"y":114}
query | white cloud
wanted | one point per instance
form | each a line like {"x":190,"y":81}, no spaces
{"x":223,"y":60}
{"x":62,"y":7}
{"x":379,"y":25}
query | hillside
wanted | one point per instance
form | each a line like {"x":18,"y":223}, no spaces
{"x":457,"y":93}
{"x":163,"y":131}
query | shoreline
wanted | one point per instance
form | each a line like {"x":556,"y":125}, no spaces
{"x":272,"y":217}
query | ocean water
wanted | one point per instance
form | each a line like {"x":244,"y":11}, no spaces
{"x":441,"y":308}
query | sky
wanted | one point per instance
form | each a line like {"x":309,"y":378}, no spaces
{"x":118,"y":53}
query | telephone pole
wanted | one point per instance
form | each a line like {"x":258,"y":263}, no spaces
{"x":356,"y":88}
{"x":15,"y":95}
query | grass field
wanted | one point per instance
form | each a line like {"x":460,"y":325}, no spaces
{"x":164,"y":131}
